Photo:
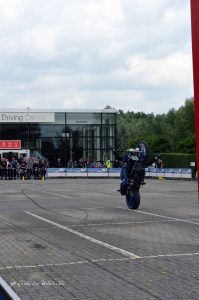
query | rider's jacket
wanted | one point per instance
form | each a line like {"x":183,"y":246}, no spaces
{"x":125,"y":159}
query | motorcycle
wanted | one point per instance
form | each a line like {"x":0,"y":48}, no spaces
{"x":138,"y":159}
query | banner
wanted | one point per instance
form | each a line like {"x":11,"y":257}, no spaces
{"x":10,"y":144}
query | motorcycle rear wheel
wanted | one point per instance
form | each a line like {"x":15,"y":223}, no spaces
{"x":133,"y":198}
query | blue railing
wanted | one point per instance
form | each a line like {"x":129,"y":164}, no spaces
{"x":115,"y":172}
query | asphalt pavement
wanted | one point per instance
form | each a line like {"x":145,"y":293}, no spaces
{"x":76,"y":239}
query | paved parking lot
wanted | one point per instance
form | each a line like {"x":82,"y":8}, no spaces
{"x":76,"y":239}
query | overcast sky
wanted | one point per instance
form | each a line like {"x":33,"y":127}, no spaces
{"x":130,"y":54}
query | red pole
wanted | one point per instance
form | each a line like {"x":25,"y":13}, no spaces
{"x":195,"y":52}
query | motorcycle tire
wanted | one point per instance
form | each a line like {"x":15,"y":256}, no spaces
{"x":145,"y":153}
{"x":133,"y":198}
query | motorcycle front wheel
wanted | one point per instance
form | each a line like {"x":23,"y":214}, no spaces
{"x":133,"y":198}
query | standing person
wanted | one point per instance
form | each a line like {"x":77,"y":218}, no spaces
{"x":22,"y":169}
{"x":42,"y":167}
{"x":9,"y":169}
{"x":36,"y":169}
{"x":3,"y":169}
{"x":80,"y":163}
{"x":117,"y":164}
{"x":88,"y":163}
{"x":21,"y":158}
{"x":75,"y":164}
{"x":59,"y":163}
{"x":14,"y":168}
{"x":70,"y":164}
{"x":29,"y":168}
{"x":108,"y":164}
{"x":158,"y":162}
{"x":47,"y":164}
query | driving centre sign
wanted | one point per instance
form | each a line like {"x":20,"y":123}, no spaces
{"x":29,"y":117}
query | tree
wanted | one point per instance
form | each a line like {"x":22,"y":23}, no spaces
{"x":171,"y":132}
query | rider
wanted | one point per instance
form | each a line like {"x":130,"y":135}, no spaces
{"x":131,"y":158}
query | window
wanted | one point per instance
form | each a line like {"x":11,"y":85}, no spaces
{"x":14,"y":131}
{"x":83,"y":118}
{"x":108,"y":130}
{"x":108,"y":119}
{"x":47,"y":130}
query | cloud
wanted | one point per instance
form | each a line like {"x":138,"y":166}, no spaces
{"x":132,"y":55}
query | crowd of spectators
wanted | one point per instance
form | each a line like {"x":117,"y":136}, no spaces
{"x":88,"y":163}
{"x":92,"y":163}
{"x":85,"y":163}
{"x":24,"y":167}
{"x":158,"y":162}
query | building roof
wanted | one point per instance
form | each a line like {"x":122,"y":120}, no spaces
{"x":54,"y":110}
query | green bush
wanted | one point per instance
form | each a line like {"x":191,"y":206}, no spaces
{"x":177,"y":160}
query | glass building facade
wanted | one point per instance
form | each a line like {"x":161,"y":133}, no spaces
{"x":70,"y":135}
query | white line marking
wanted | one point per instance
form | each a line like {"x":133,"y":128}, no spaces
{"x":56,"y":194}
{"x":26,"y":266}
{"x":120,"y":207}
{"x":122,"y":223}
{"x":62,"y":264}
{"x":108,"y":246}
{"x":45,"y":192}
{"x":161,"y":216}
{"x":100,"y":207}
